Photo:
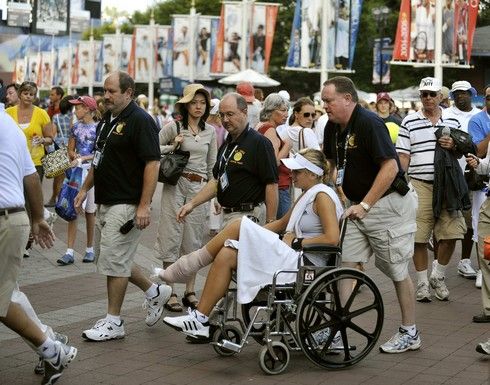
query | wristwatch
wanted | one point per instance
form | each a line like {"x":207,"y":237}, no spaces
{"x":365,"y":206}
{"x":297,"y":244}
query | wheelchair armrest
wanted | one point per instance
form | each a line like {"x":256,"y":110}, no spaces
{"x":321,"y":247}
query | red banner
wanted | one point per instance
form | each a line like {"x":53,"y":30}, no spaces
{"x":472,"y":16}
{"x":401,"y":50}
{"x":271,"y":16}
{"x":217,"y":65}
{"x":131,"y":64}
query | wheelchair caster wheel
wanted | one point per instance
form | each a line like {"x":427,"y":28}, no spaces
{"x":230,"y":333}
{"x":268,"y":364}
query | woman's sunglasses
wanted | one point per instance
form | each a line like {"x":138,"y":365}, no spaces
{"x":425,"y":94}
{"x":308,"y":114}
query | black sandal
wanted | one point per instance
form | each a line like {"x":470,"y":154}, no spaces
{"x":173,"y":307}
{"x":186,"y":302}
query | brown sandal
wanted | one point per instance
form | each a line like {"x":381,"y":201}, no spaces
{"x":187,"y":302}
{"x":174,"y":306}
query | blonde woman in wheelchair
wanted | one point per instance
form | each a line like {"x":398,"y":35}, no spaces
{"x":256,"y":252}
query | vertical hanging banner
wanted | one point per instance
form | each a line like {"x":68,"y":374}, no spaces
{"x":218,"y":57}
{"x":131,"y":61}
{"x":181,"y":46}
{"x":34,"y":66}
{"x":263,"y":29}
{"x":207,"y":27}
{"x":61,"y":67}
{"x":98,"y":62}
{"x":110,"y":48}
{"x":164,"y":52}
{"x":381,"y":58}
{"x":233,"y":38}
{"x":415,"y":36}
{"x":126,"y":44}
{"x":144,"y":51}
{"x":82,"y":66}
{"x":46,"y":70}
{"x":342,"y":30}
{"x":20,"y":71}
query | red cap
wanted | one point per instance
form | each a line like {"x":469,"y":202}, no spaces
{"x":383,"y":96}
{"x":87,"y":101}
{"x":247,"y":90}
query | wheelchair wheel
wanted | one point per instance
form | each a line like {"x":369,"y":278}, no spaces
{"x":336,"y":332}
{"x":268,"y":364}
{"x":230,"y":333}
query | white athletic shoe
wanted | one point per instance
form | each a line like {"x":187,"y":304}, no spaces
{"x":104,"y":330}
{"x":188,"y":324}
{"x":465,"y":269}
{"x":54,"y":366}
{"x":479,"y":279}
{"x":155,"y":305}
{"x":401,"y":342}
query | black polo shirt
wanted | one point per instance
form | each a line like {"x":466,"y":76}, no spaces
{"x":251,"y":166}
{"x":132,"y":142}
{"x":369,"y":144}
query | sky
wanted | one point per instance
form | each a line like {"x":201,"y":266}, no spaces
{"x":127,"y":5}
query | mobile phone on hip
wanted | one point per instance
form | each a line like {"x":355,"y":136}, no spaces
{"x":126,"y":228}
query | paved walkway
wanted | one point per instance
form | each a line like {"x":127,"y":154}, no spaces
{"x":72,"y":298}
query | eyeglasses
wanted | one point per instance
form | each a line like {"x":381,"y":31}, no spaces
{"x":425,"y":94}
{"x":308,"y":114}
{"x":227,"y":115}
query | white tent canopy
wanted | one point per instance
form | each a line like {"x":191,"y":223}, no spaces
{"x":249,"y":75}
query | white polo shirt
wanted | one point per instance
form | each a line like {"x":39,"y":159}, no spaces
{"x":15,"y":162}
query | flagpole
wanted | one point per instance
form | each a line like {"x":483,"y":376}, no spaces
{"x":52,"y":61}
{"x":192,"y":48}
{"x":70,"y":56}
{"x":438,"y":72}
{"x":324,"y":44}
{"x":91,"y":61}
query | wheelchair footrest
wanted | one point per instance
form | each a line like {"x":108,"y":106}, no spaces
{"x":228,"y":345}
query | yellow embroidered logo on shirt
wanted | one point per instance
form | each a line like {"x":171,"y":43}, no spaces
{"x":238,"y":156}
{"x":120,"y":127}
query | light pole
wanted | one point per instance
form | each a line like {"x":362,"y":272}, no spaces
{"x":380,"y":15}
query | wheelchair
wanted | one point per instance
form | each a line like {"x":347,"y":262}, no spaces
{"x":333,"y":330}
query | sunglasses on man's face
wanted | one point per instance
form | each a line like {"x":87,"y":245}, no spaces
{"x":426,"y":94}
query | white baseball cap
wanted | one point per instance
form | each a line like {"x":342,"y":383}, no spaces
{"x":462,"y":85}
{"x":214,"y":107}
{"x":430,"y":84}
{"x":285,"y":95}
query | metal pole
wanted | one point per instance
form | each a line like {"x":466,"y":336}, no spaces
{"x":69,"y":90}
{"x":192,"y":48}
{"x":324,"y":44}
{"x":152,"y":60}
{"x":243,"y":46}
{"x":51,"y":58}
{"x":91,"y":61}
{"x":438,"y":42}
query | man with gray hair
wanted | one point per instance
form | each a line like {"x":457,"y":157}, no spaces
{"x":381,"y":219}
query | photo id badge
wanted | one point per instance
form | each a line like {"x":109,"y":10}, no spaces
{"x":97,"y":158}
{"x":223,"y":181}
{"x":340,"y":177}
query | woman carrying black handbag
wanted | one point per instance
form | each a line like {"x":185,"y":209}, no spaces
{"x":190,"y":134}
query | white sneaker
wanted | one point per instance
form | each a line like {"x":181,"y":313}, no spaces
{"x":465,"y":269}
{"x":54,"y":366}
{"x":478,"y":281}
{"x":483,"y":347}
{"x":104,"y":330}
{"x":440,"y":288}
{"x":188,"y":324}
{"x":422,"y":294}
{"x":155,"y":304}
{"x":401,"y":342}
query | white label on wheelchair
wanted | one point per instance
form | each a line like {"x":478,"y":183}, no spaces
{"x":309,"y":275}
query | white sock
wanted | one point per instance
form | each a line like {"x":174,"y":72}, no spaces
{"x":115,"y":319}
{"x":411,"y":330}
{"x":422,"y":276}
{"x":152,"y":291}
{"x":89,"y":249}
{"x":202,"y":318}
{"x":70,"y":252}
{"x":47,"y":349}
{"x":439,"y":270}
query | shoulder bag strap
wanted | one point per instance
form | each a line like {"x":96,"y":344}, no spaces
{"x":302,"y":139}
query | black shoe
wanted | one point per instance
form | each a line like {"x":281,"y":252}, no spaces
{"x":481,"y":318}
{"x":39,"y":368}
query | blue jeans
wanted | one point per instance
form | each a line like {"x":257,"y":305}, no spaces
{"x":284,"y":202}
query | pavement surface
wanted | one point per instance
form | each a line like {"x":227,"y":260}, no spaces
{"x":71,"y":298}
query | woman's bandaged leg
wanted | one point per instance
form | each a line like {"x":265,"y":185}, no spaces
{"x":186,"y":266}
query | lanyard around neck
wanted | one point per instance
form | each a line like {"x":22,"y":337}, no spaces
{"x":344,"y":163}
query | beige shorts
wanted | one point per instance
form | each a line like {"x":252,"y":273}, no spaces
{"x":14,"y":233}
{"x":445,"y":227}
{"x":387,"y":231}
{"x":258,"y":212}
{"x":115,"y":251}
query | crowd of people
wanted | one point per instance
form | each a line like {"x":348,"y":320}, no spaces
{"x":267,"y":174}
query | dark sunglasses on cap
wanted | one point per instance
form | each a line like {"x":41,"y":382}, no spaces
{"x":425,"y":94}
{"x":308,"y":114}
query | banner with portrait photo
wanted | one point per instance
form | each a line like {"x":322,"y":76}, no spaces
{"x":181,"y":46}
{"x":263,"y":28}
{"x":126,"y":44}
{"x":207,"y":31}
{"x":61,"y":67}
{"x":88,"y":64}
{"x":51,"y":17}
{"x":164,"y":52}
{"x":232,"y":37}
{"x":144,"y":51}
{"x":111,"y":46}
{"x":20,"y":71}
{"x":46,"y":73}
{"x":34,"y":67}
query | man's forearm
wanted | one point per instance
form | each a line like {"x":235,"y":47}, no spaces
{"x":34,"y":195}
{"x":271,"y":198}
{"x":150,"y":178}
{"x":382,"y":182}
{"x":207,"y":193}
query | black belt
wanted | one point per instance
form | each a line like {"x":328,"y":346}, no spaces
{"x":243,"y":207}
{"x":11,"y":210}
{"x":423,"y":181}
{"x":388,"y":192}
